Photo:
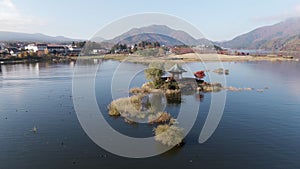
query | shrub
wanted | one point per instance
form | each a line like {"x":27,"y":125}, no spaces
{"x":172,"y":85}
{"x":173,"y":96}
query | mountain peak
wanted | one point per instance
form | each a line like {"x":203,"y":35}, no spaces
{"x":162,"y":32}
{"x":151,"y":37}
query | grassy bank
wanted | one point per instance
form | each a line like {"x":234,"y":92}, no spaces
{"x":190,"y":57}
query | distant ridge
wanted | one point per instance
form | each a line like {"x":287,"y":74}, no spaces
{"x":35,"y":37}
{"x":275,"y":37}
{"x":281,"y":36}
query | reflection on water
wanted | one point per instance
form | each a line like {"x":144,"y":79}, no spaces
{"x":28,"y":70}
{"x":258,"y":129}
{"x":200,"y":97}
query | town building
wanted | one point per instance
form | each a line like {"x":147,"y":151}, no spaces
{"x":43,"y":48}
{"x":31,"y":47}
{"x":13,"y":51}
{"x":57,"y":49}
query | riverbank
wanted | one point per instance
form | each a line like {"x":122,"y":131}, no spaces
{"x":190,"y":57}
{"x":37,"y":60}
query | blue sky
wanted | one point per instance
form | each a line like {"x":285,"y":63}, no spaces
{"x":217,"y":20}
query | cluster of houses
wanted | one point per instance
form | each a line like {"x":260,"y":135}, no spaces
{"x":23,"y":50}
{"x":40,"y":49}
{"x":63,"y":50}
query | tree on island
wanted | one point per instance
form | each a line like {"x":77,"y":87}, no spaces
{"x":155,"y":75}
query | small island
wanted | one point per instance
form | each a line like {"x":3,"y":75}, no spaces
{"x":145,"y":103}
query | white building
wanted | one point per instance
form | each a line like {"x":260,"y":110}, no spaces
{"x":31,"y":47}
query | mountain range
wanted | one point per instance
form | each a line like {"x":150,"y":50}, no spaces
{"x":281,"y":36}
{"x":159,"y":33}
{"x":28,"y":37}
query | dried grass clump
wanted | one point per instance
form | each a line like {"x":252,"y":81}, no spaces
{"x":173,"y":121}
{"x":135,"y":90}
{"x":113,"y":111}
{"x":136,"y":101}
{"x":210,"y":87}
{"x":160,"y":117}
{"x":133,"y":108}
{"x":169,"y":135}
{"x":148,"y":85}
{"x":129,"y":104}
{"x":138,"y":90}
{"x":235,"y":89}
{"x":221,"y":71}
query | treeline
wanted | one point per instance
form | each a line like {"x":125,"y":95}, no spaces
{"x":124,"y":48}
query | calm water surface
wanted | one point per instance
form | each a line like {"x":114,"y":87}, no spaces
{"x":258,"y":129}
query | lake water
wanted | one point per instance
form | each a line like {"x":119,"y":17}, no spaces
{"x":257,"y":130}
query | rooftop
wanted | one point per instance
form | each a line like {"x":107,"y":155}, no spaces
{"x":176,"y":69}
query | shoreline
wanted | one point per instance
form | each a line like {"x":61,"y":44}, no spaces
{"x":190,"y":57}
{"x":36,"y":60}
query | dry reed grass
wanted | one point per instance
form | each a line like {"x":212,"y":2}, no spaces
{"x":169,"y":135}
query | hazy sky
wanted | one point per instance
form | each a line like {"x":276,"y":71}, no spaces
{"x":216,"y":19}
